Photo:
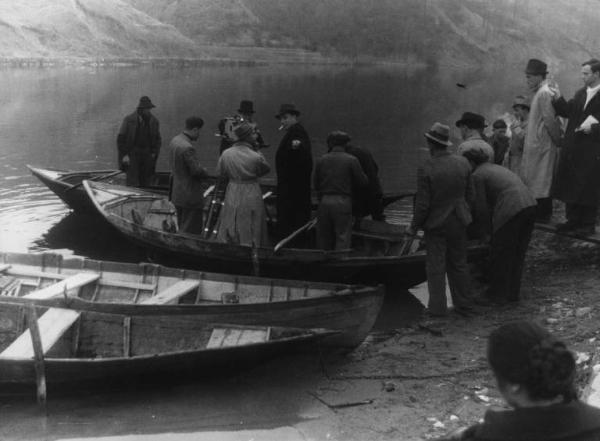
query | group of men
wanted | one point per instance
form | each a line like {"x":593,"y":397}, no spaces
{"x":499,"y":187}
{"x":345,"y":179}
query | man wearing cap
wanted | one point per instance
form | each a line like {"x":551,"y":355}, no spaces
{"x":518,"y":130}
{"x":471,"y":125}
{"x":138,"y":143}
{"x":188,"y":177}
{"x":577,"y":181}
{"x":226,"y":125}
{"x":293,"y":162}
{"x":541,"y":140}
{"x":442,"y":211}
{"x":243,"y":217}
{"x":338,"y":176}
{"x":499,"y":141}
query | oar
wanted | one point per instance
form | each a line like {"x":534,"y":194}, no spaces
{"x":307,"y":226}
{"x":96,"y":178}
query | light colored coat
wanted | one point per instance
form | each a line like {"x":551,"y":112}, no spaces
{"x":541,"y":143}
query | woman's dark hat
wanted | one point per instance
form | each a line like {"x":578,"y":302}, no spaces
{"x":471,"y":119}
{"x":243,"y":131}
{"x":287,"y":108}
{"x":246,"y":107}
{"x":440,"y":134}
{"x":145,"y":103}
{"x":536,"y":67}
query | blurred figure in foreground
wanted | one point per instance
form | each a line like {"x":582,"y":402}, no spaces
{"x":535,"y":374}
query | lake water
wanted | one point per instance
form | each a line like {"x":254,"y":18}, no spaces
{"x":68,"y":118}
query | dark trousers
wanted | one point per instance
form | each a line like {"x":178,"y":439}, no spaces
{"x":141,"y":168}
{"x":507,"y":255}
{"x":190,"y":219}
{"x":334,"y":222}
{"x":446,"y":248}
{"x":584,"y":215}
{"x":544,"y":209}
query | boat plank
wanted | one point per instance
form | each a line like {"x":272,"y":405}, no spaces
{"x":52,"y":325}
{"x":4,"y":267}
{"x":71,"y":283}
{"x":172,"y":293}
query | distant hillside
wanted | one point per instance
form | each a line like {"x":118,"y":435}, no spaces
{"x":444,"y":32}
{"x":85,"y":28}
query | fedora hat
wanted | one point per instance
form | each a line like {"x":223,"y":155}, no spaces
{"x":287,"y":108}
{"x":472,"y":120}
{"x":521,"y":101}
{"x":337,"y":137}
{"x":536,"y":67}
{"x":243,"y":131}
{"x":440,"y":134}
{"x":145,"y":103}
{"x":246,"y":106}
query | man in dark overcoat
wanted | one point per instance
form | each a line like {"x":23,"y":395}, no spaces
{"x":441,"y":210}
{"x":577,"y":180}
{"x":138,"y":143}
{"x":293,"y":162}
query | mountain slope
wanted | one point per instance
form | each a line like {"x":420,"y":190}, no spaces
{"x":86,"y":28}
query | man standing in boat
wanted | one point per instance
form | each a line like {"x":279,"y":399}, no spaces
{"x":245,"y":113}
{"x":139,"y":144}
{"x":442,"y":210}
{"x":293,"y":162}
{"x":187,"y":185}
{"x":338,"y":176}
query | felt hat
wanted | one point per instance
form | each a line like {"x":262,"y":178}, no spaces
{"x":246,"y":106}
{"x":471,"y":119}
{"x":521,"y":101}
{"x":440,"y":134}
{"x":287,"y":108}
{"x":243,"y":131}
{"x":145,"y":103}
{"x":338,"y":137}
{"x":536,"y":67}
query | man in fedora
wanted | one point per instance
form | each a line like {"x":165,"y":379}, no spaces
{"x":138,"y":143}
{"x":541,"y":140}
{"x":442,"y":211}
{"x":293,"y":162}
{"x":471,"y":125}
{"x":577,"y":181}
{"x":227,"y":125}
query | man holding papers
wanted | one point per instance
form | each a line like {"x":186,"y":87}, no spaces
{"x":577,"y":180}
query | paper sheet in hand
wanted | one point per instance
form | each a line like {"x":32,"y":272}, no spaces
{"x":587,"y":124}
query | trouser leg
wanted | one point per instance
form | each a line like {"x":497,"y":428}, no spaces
{"x":342,"y":221}
{"x":456,"y":262}
{"x":573,"y":213}
{"x":588,"y":215}
{"x":191,"y":220}
{"x":503,"y":251}
{"x":435,"y":266}
{"x":526,"y":219}
{"x":544,"y":208}
{"x":325,"y":233}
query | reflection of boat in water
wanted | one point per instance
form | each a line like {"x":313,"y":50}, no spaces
{"x":146,"y":289}
{"x":86,"y":346}
{"x":381,"y":251}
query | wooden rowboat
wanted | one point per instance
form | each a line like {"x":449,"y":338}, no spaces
{"x":88,"y":346}
{"x":148,"y":289}
{"x":382,"y":253}
{"x":67,"y":185}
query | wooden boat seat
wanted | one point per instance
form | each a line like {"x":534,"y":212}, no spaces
{"x":224,"y":337}
{"x":68,"y":284}
{"x":172,"y":293}
{"x":52,"y":324}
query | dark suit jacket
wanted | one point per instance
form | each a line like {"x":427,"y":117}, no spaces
{"x":126,"y":139}
{"x":577,"y":179}
{"x":443,"y":187}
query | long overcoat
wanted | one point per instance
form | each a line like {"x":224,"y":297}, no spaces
{"x":541,"y":144}
{"x":293,"y":162}
{"x":577,"y":178}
